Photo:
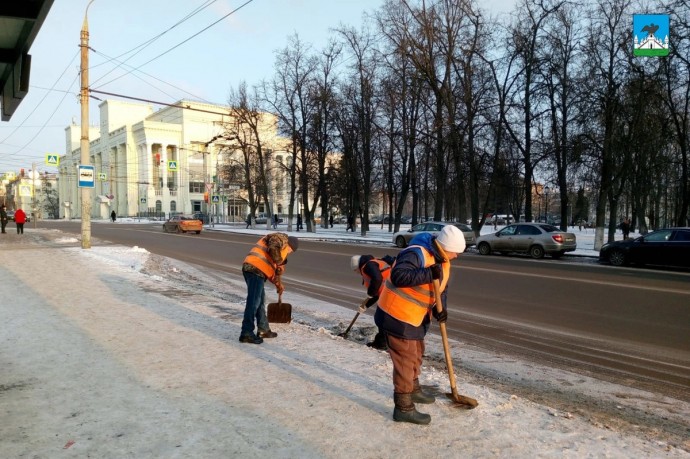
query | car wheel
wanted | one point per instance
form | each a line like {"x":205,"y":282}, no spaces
{"x":400,"y":242}
{"x":179,"y":230}
{"x":484,"y":248}
{"x":617,"y":258}
{"x":198,"y":232}
{"x":536,"y":251}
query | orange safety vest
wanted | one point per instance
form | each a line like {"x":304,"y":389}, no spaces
{"x":258,"y":257}
{"x":411,"y":304}
{"x":385,"y":274}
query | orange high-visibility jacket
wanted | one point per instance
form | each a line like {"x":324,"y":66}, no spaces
{"x":258,"y":257}
{"x":411,"y":304}
{"x":384,"y":269}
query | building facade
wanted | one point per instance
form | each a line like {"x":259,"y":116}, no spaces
{"x":153,"y":163}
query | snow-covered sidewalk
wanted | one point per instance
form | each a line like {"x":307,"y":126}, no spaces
{"x":115,"y":352}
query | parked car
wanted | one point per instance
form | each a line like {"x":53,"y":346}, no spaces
{"x":182,"y":224}
{"x":668,"y":247}
{"x":263,"y":216}
{"x":535,"y":239}
{"x":403,"y":238}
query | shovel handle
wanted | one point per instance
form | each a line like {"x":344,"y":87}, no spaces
{"x":444,"y":336}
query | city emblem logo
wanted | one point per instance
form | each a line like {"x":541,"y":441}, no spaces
{"x":650,"y":35}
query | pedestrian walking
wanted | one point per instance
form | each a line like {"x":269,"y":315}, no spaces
{"x":330,"y":220}
{"x":19,"y":220}
{"x":265,"y":261}
{"x":374,"y":272}
{"x":248,"y":221}
{"x":405,"y":306}
{"x":299,"y":222}
{"x":625,"y":228}
{"x":3,"y":218}
{"x":113,"y":216}
{"x":350,"y":223}
{"x":275,"y":221}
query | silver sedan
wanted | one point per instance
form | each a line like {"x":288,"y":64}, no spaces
{"x":535,"y":239}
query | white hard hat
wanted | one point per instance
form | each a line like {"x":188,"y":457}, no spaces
{"x":354,"y":262}
{"x":451,"y":239}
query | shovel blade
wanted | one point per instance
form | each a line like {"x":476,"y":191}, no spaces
{"x":463,"y":401}
{"x":279,"y":313}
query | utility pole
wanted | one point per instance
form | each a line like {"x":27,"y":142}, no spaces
{"x":85,"y":156}
{"x":34,"y":209}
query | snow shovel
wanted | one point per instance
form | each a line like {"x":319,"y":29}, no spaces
{"x":461,"y":401}
{"x":344,"y":334}
{"x":279,"y":313}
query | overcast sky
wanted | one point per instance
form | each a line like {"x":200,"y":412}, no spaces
{"x":201,"y":58}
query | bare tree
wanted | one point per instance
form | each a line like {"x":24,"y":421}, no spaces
{"x":247,"y":127}
{"x":288,"y":94}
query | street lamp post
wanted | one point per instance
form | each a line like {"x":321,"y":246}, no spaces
{"x":84,"y":144}
{"x":546,"y":204}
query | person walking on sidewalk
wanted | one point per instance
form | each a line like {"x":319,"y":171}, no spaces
{"x":113,"y":216}
{"x":265,"y":261}
{"x":406,"y":303}
{"x":3,"y":218}
{"x":374,"y":272}
{"x":20,"y":219}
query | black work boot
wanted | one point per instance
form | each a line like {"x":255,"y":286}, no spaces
{"x":420,"y":397}
{"x":379,"y":342}
{"x":267,"y":334}
{"x":406,"y":412}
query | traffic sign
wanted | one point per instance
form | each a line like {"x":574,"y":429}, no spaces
{"x":101,"y":176}
{"x":142,"y":200}
{"x":52,"y":159}
{"x":215,"y":198}
{"x":87,"y":176}
{"x":172,"y":166}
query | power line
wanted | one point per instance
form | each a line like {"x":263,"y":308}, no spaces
{"x":186,"y":107}
{"x":186,"y":40}
{"x":144,"y":45}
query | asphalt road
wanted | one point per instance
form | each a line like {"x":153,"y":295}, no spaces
{"x":625,"y":325}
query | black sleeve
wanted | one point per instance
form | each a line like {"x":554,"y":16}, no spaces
{"x":372,"y":270}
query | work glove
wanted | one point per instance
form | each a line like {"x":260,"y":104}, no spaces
{"x":362,"y":308}
{"x":436,"y":271}
{"x":279,"y":288}
{"x":441,"y":317}
{"x":279,"y":270}
{"x":372,"y":301}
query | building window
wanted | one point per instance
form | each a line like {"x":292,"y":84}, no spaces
{"x":173,"y":206}
{"x":159,"y":206}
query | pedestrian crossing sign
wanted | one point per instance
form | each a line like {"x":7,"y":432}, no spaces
{"x":25,"y":191}
{"x":172,"y":166}
{"x":101,"y":176}
{"x":52,"y":159}
{"x":215,"y":198}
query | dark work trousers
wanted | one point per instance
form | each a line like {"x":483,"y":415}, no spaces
{"x":20,"y":228}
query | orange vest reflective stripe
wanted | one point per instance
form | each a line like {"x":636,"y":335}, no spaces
{"x":385,"y":274}
{"x":258,"y":257}
{"x":411,"y":304}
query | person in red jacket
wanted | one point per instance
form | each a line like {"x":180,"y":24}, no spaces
{"x":20,"y":219}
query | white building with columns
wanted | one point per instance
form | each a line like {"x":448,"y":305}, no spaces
{"x":149,"y":162}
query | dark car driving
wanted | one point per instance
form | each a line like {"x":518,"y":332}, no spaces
{"x":667,"y":247}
